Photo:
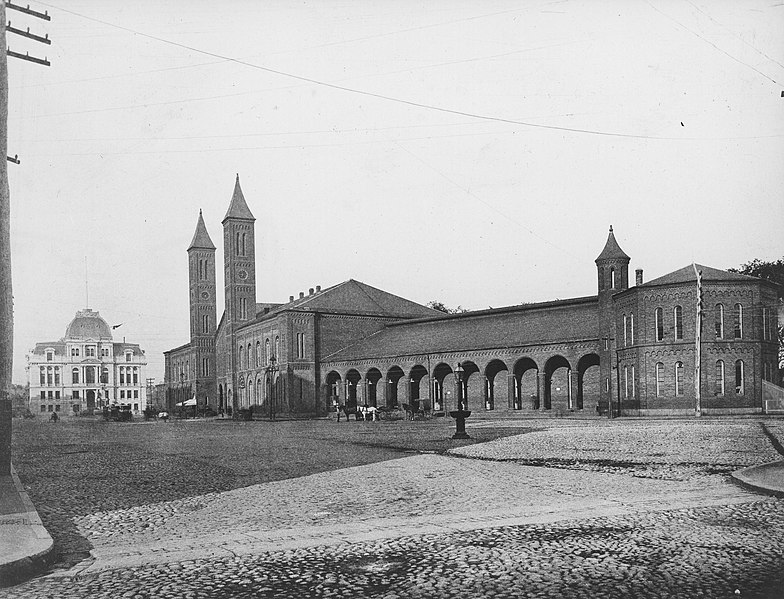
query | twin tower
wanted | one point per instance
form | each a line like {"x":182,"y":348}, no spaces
{"x":239,"y":270}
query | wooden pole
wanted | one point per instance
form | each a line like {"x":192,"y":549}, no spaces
{"x":6,"y":297}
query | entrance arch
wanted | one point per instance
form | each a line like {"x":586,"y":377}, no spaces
{"x":473,"y":386}
{"x":352,"y":383}
{"x":394,"y":374}
{"x":416,"y":378}
{"x":497,"y":386}
{"x":562,"y":397}
{"x":443,"y":384}
{"x":372,"y":377}
{"x":526,"y":384}
{"x":333,"y":389}
{"x":90,"y":401}
{"x":588,"y":381}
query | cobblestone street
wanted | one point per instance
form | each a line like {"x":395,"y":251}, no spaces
{"x":528,"y":508}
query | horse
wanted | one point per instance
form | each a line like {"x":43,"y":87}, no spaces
{"x":414,"y":409}
{"x":348,"y":410}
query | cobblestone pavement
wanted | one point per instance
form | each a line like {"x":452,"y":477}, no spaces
{"x":566,"y":509}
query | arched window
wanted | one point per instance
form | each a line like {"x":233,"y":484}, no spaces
{"x":251,"y":396}
{"x":719,"y":315}
{"x":633,"y":383}
{"x":631,"y":328}
{"x":241,"y":356}
{"x":612,"y":278}
{"x":678,"y":378}
{"x":626,"y":382}
{"x":678,"y":316}
{"x":277,"y":348}
{"x":56,"y":376}
{"x":258,"y":353}
{"x":740,"y":378}
{"x":75,"y":376}
{"x":659,"y":321}
{"x":720,"y":377}
{"x":243,"y":244}
{"x":659,"y":379}
{"x":237,"y":245}
{"x":89,"y":375}
{"x":738,"y":321}
{"x":105,"y":375}
{"x":248,"y":357}
{"x":43,"y":376}
{"x":267,"y":350}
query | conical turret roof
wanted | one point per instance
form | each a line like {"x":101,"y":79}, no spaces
{"x":201,"y":239}
{"x":238,"y":208}
{"x":612,"y":251}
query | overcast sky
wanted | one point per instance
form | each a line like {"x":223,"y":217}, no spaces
{"x":469,"y":152}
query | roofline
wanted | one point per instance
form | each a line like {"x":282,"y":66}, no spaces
{"x":168,"y":351}
{"x":704,"y":280}
{"x":589,"y":299}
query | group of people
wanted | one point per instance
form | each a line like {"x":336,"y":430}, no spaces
{"x":367,"y":412}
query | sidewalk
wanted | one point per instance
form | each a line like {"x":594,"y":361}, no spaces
{"x":25,"y":545}
{"x":766,"y":478}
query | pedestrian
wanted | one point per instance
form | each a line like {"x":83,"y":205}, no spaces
{"x":54,"y":417}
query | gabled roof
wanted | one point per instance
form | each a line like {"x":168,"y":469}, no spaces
{"x":238,"y":208}
{"x":353,"y":297}
{"x":686,"y":275}
{"x":201,"y":239}
{"x":612,"y":251}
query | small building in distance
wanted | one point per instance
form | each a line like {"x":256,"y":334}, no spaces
{"x":86,"y":370}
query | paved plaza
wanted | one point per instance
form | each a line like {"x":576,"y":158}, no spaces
{"x":394,"y":509}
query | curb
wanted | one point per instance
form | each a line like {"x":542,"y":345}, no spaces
{"x":755,"y":478}
{"x":17,"y":571}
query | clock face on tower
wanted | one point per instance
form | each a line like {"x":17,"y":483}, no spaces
{"x":242,"y":274}
{"x":205,"y":295}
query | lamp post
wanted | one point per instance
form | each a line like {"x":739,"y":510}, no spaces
{"x":180,"y":394}
{"x":461,"y":413}
{"x":271,"y":369}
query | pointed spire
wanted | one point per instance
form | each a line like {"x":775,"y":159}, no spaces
{"x":612,"y":250}
{"x":238,"y":208}
{"x":201,"y":239}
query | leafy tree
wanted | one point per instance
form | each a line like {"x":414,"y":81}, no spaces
{"x":436,"y":305}
{"x":771,"y":271}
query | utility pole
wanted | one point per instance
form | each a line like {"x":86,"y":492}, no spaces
{"x":6,"y":295}
{"x":698,"y":344}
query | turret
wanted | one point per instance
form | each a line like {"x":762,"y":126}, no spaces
{"x":612,"y":266}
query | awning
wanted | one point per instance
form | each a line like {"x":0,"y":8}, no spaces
{"x":190,"y":402}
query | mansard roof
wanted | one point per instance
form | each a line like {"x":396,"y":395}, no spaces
{"x":201,"y":239}
{"x":88,"y":325}
{"x":238,"y":208}
{"x":686,"y":275}
{"x":612,"y":251}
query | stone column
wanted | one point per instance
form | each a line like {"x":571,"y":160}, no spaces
{"x":512,"y":393}
{"x":406,"y":381}
{"x":486,"y":393}
{"x":541,"y":382}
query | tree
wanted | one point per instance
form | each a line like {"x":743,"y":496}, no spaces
{"x":436,"y":305}
{"x":770,"y":271}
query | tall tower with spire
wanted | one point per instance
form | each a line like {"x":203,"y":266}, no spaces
{"x":239,"y":260}
{"x":201,"y":277}
{"x":612,"y":266}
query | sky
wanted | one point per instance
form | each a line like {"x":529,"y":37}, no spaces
{"x":473,"y":153}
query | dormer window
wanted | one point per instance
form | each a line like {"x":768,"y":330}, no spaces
{"x":49,"y":355}
{"x":128,"y":356}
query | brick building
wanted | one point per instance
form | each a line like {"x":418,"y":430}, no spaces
{"x":626,"y":350}
{"x":86,"y":369}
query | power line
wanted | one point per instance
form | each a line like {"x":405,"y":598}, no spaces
{"x":373,"y":94}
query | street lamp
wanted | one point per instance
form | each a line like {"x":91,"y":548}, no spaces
{"x":461,"y":413}
{"x":180,"y":394}
{"x":271,"y":369}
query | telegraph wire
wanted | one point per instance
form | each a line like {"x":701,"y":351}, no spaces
{"x":378,"y":95}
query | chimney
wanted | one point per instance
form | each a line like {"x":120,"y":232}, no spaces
{"x":638,"y":276}
{"x":291,"y":298}
{"x":310,"y":291}
{"x":301,"y":294}
{"x":318,"y":288}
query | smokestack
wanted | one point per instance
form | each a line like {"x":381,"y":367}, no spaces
{"x":301,"y":294}
{"x":310,"y":291}
{"x":638,"y":276}
{"x":318,"y":288}
{"x":291,"y":298}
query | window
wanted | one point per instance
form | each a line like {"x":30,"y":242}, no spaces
{"x":104,"y":352}
{"x":49,"y":356}
{"x":75,"y":376}
{"x":75,"y":395}
{"x":122,"y":394}
{"x":237,"y":245}
{"x":49,"y":395}
{"x":242,"y":356}
{"x":634,"y":383}
{"x":678,"y":378}
{"x":625,"y":330}
{"x":766,"y":324}
{"x":49,"y":376}
{"x":659,"y":321}
{"x":43,"y":376}
{"x":122,"y":375}
{"x":57,"y":395}
{"x":135,"y":407}
{"x":612,"y":278}
{"x":277,"y":347}
{"x":719,"y":321}
{"x":267,"y":350}
{"x":300,"y":345}
{"x":626,"y":382}
{"x":89,"y":375}
{"x":631,"y":329}
{"x":205,"y":367}
{"x":678,"y":316}
{"x":74,"y":352}
{"x":136,"y":394}
{"x":89,"y":351}
{"x":740,"y":376}
{"x":205,"y":324}
{"x":43,"y":407}
{"x":659,"y":379}
{"x":43,"y":394}
{"x":258,"y":353}
{"x":128,"y":356}
{"x":135,"y":375}
{"x":105,"y":375}
{"x":720,"y":377}
{"x":248,"y":357}
{"x":738,"y":321}
{"x":57,"y":408}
